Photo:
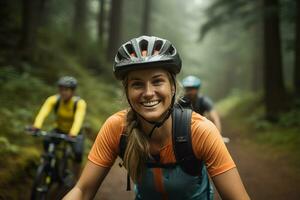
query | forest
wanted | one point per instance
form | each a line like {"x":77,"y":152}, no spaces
{"x":246,"y":53}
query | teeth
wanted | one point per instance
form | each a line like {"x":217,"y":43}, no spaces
{"x":150,"y":103}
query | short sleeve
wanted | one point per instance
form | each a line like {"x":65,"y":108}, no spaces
{"x":106,"y":146}
{"x":209,"y":146}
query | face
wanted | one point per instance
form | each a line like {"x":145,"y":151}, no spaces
{"x":191,"y":92}
{"x":66,"y":93}
{"x":150,"y":92}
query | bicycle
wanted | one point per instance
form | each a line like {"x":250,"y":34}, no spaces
{"x":52,"y":168}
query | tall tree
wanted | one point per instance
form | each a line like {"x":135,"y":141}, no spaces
{"x":101,"y":16}
{"x":247,"y":11}
{"x":273,"y":76}
{"x":80,"y":34}
{"x":146,"y":17}
{"x":297,"y":52}
{"x":114,"y":37}
{"x":30,"y":20}
{"x":257,"y":77}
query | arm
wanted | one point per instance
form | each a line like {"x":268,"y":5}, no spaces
{"x":208,"y":146}
{"x":44,"y":112}
{"x":78,"y":118}
{"x":210,"y":112}
{"x":214,"y":117}
{"x":230,"y":186}
{"x":89,"y":182}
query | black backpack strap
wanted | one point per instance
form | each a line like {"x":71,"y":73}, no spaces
{"x":57,"y":104}
{"x":122,"y":145}
{"x":184,"y":102}
{"x":122,"y":148}
{"x":182,"y":142}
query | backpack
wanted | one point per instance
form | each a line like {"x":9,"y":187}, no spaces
{"x":203,"y":104}
{"x":57,"y":103}
{"x":182,"y":145}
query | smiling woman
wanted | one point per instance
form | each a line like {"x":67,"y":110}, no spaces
{"x":147,"y":67}
{"x":150,"y":92}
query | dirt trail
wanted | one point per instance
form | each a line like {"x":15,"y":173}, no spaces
{"x":266,"y":175}
{"x":114,"y":185}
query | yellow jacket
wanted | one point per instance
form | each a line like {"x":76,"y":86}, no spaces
{"x":67,"y":120}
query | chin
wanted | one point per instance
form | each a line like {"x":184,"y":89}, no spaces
{"x":152,"y":116}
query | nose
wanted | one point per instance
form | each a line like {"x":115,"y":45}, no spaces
{"x":149,"y":91}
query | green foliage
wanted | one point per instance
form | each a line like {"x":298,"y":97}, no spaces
{"x":241,"y":102}
{"x":281,"y":138}
{"x":7,"y":147}
{"x":249,"y":107}
{"x":290,"y":119}
{"x":25,"y":83}
{"x":222,"y":12}
{"x":20,"y":86}
{"x":17,"y":170}
{"x":21,"y":97}
{"x":24,"y":88}
{"x":245,"y":112}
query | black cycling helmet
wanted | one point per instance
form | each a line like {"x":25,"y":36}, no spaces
{"x":144,"y":52}
{"x":68,"y":82}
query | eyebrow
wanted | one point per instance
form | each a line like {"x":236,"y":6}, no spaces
{"x":155,"y":76}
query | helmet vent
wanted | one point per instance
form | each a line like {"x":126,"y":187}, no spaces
{"x":143,"y":45}
{"x":146,"y":52}
{"x":119,"y":57}
{"x":171,"y":50}
{"x":157,"y":46}
{"x":130,"y":49}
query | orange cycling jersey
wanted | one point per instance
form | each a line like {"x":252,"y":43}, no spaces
{"x":206,"y":141}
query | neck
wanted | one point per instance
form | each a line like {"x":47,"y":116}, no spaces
{"x":193,"y":99}
{"x":161,"y":134}
{"x":66,"y":100}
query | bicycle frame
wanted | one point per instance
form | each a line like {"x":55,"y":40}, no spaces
{"x":50,"y":169}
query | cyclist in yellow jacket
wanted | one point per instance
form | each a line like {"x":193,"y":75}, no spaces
{"x":69,"y":110}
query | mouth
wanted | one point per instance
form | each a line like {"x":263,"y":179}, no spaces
{"x":150,"y":104}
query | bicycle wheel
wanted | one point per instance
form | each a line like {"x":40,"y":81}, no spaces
{"x":41,"y":183}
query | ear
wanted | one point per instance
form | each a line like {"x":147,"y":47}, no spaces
{"x":173,"y":90}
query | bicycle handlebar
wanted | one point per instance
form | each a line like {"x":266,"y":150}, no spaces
{"x":54,"y":135}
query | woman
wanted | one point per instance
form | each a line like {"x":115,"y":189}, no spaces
{"x":147,"y":67}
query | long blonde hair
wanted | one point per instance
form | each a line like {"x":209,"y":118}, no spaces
{"x":138,"y":145}
{"x":138,"y":148}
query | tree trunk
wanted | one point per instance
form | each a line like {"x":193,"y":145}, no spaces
{"x":80,"y":35}
{"x":273,"y":76}
{"x":30,"y":20}
{"x":114,"y":36}
{"x":146,"y":17}
{"x":101,"y":22}
{"x":257,"y":77}
{"x":257,"y":72}
{"x":43,"y":12}
{"x":297,"y":53}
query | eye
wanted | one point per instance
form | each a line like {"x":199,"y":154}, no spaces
{"x":158,"y":81}
{"x":136,"y":84}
